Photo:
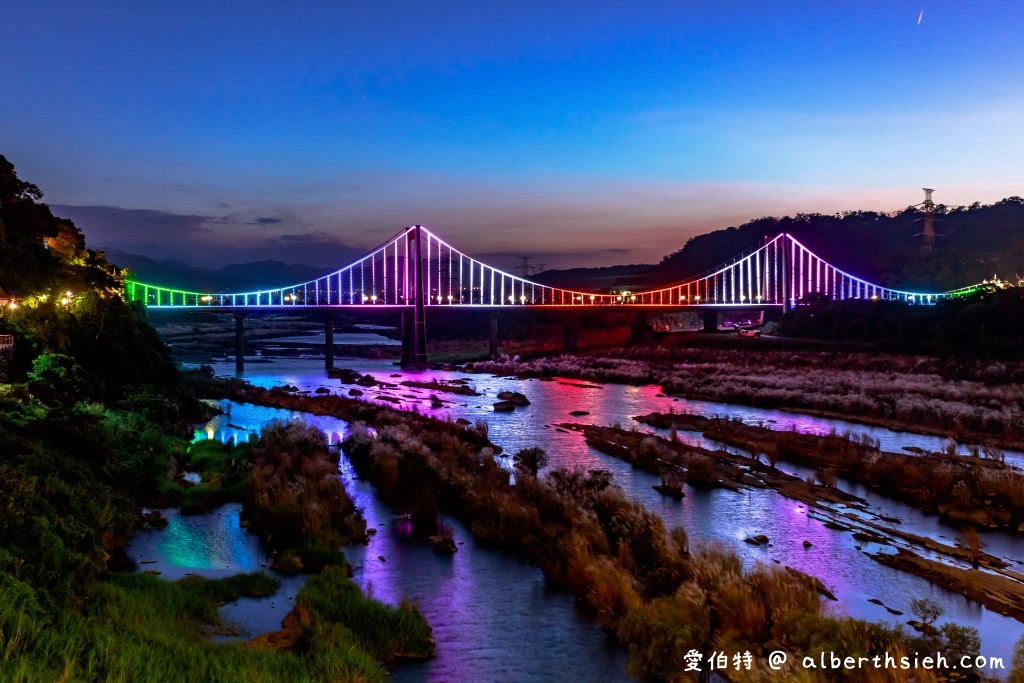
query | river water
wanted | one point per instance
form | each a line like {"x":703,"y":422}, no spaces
{"x":489,"y":609}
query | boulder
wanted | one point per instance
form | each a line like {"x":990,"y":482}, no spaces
{"x":504,"y":407}
{"x":355,"y":392}
{"x":514,"y":397}
{"x":366,"y":381}
{"x":346,"y":375}
{"x":578,"y":413}
{"x":288,"y":563}
{"x":443,"y":545}
{"x":759,"y":539}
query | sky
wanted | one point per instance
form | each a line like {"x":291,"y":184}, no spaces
{"x":581,"y":134}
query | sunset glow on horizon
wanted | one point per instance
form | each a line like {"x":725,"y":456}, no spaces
{"x":580,"y":135}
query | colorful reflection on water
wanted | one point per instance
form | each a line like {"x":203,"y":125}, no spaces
{"x":717,"y":516}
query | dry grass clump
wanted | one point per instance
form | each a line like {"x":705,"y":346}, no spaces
{"x":295,"y":499}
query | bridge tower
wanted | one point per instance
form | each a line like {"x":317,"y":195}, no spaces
{"x":414,"y":322}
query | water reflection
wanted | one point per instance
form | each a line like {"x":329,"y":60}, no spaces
{"x":713,"y":516}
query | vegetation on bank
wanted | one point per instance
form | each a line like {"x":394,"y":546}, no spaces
{"x":295,"y":500}
{"x":977,"y":490}
{"x":136,"y":627}
{"x":93,"y":430}
{"x":989,"y":325}
{"x":291,"y":493}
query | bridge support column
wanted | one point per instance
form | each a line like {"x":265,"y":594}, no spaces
{"x":570,"y":333}
{"x":787,"y":277}
{"x":710,"y":321}
{"x":408,"y":326}
{"x":639,"y":331}
{"x":492,"y":347}
{"x":239,"y":342}
{"x":329,"y":341}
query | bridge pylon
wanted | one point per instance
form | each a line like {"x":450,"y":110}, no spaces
{"x":414,"y":344}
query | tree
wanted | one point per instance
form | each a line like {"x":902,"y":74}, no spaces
{"x":530,"y":459}
{"x":1017,"y":663}
{"x":926,"y":609}
{"x":26,"y":264}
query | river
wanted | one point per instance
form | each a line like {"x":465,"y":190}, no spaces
{"x":488,"y":608}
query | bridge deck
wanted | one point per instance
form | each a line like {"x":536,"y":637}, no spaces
{"x":481,"y":307}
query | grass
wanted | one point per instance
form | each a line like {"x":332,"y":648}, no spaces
{"x":295,"y":501}
{"x":224,"y":473}
{"x":386,"y":633}
{"x":139,"y":628}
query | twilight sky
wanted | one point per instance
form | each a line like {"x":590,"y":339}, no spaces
{"x":585,"y":133}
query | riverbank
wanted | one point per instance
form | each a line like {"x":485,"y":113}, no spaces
{"x":966,"y":401}
{"x":980,"y":491}
{"x":997,"y":587}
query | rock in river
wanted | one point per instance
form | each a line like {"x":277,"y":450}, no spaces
{"x":514,"y":397}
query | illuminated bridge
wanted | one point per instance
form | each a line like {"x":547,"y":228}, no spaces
{"x":416,"y":270}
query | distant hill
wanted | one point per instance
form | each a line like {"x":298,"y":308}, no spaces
{"x":592,"y":278}
{"x":180,"y":275}
{"x":974,"y":243}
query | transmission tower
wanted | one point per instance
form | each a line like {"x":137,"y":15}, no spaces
{"x":525,"y":267}
{"x":928,"y":232}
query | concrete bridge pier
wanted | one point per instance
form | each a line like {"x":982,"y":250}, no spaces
{"x":710,"y":321}
{"x":408,"y":327}
{"x":239,"y":342}
{"x":492,"y":348}
{"x":570,"y":333}
{"x":329,"y":341}
{"x":639,"y":330}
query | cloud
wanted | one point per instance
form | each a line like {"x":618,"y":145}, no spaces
{"x":209,"y":240}
{"x":113,"y":223}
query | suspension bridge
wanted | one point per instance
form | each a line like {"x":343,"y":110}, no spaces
{"x":416,"y":270}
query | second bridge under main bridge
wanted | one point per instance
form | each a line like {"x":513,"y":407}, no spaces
{"x":416,"y":270}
